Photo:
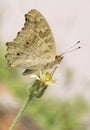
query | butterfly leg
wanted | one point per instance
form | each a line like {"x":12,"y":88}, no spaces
{"x":28,"y":71}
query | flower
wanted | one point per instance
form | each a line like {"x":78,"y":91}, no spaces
{"x":44,"y":77}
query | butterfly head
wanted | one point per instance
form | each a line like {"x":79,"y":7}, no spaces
{"x":58,"y":59}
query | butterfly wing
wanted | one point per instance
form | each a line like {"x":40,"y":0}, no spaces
{"x":34,"y":44}
{"x":38,"y":23}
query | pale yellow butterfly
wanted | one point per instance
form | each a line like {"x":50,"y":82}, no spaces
{"x":34,"y":47}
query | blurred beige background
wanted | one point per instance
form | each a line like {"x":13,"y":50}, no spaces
{"x":70,"y":22}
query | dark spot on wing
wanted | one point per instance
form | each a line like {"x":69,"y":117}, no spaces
{"x":6,"y":56}
{"x":18,"y":32}
{"x":7,"y":44}
{"x":25,"y":18}
{"x":25,"y":24}
{"x":18,"y":54}
{"x":9,"y":64}
{"x":27,"y":43}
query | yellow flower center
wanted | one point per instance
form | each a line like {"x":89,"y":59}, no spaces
{"x":46,"y":78}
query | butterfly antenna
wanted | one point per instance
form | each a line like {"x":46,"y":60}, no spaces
{"x":71,"y":49}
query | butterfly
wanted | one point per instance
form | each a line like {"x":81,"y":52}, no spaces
{"x":34,"y":47}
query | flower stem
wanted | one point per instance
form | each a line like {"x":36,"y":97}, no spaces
{"x":29,"y":98}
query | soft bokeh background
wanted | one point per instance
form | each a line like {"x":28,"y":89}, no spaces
{"x":69,"y":98}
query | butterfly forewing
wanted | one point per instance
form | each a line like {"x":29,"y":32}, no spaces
{"x":38,"y":23}
{"x":34,"y":44}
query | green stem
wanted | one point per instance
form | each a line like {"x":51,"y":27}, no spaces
{"x":29,"y":98}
